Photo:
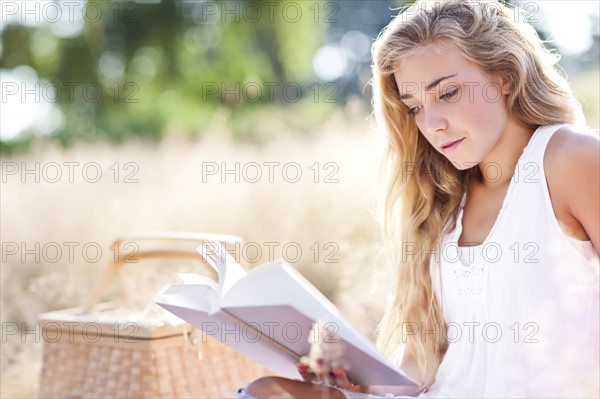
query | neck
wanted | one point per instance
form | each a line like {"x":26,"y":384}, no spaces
{"x":499,"y":166}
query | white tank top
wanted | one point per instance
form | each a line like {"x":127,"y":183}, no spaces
{"x":522,"y":310}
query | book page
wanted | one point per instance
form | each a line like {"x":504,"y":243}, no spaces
{"x":201,"y":297}
{"x":222,"y":327}
{"x":228,"y":270}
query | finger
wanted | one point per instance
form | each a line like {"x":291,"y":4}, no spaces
{"x":305,"y":372}
{"x":321,"y":372}
{"x":315,"y":368}
{"x":341,"y":378}
{"x":320,"y":369}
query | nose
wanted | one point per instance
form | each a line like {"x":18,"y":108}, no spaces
{"x":433,"y":121}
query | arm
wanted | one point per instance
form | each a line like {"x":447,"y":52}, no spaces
{"x":572,"y":164}
{"x":279,"y":387}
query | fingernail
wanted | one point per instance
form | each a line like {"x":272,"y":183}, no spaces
{"x":302,"y":367}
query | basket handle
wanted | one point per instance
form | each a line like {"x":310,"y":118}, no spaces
{"x":123,"y":257}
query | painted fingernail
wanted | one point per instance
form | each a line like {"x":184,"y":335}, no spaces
{"x":303,"y":368}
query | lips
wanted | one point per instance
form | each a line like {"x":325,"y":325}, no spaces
{"x":451,"y":145}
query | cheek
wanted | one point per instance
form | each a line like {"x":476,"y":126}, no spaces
{"x":481,"y":113}
{"x":488,"y":102}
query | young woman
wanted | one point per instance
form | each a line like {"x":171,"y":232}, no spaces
{"x":492,"y":211}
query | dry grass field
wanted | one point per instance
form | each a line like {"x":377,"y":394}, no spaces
{"x":326,"y":212}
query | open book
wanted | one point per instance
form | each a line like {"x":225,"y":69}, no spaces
{"x":268,"y":314}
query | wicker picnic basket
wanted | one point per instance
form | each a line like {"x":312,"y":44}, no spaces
{"x":106,"y":350}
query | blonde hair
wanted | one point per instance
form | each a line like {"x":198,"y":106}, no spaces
{"x":424,"y":190}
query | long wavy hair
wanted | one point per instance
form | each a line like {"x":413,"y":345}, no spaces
{"x":423,"y":189}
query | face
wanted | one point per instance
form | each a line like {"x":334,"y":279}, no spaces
{"x":457,"y":106}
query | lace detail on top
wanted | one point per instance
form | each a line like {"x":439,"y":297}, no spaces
{"x":469,"y":279}
{"x":469,"y":276}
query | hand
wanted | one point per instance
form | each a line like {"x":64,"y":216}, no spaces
{"x":320,"y":372}
{"x":325,"y":362}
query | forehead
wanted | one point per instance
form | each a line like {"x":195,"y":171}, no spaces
{"x":429,"y":63}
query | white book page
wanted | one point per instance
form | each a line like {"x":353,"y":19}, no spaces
{"x":222,"y":327}
{"x":228,"y":270}
{"x":201,"y":297}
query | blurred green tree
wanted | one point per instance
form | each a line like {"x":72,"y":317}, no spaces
{"x":135,"y":68}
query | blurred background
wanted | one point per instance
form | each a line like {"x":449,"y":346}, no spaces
{"x":241,"y":117}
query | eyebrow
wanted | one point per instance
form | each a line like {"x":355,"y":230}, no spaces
{"x":429,"y":86}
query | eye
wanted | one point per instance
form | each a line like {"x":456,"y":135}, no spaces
{"x":449,"y":95}
{"x":415,"y":110}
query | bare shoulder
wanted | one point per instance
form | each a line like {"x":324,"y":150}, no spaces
{"x":572,"y":169}
{"x":572,"y":147}
{"x":571,"y":158}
